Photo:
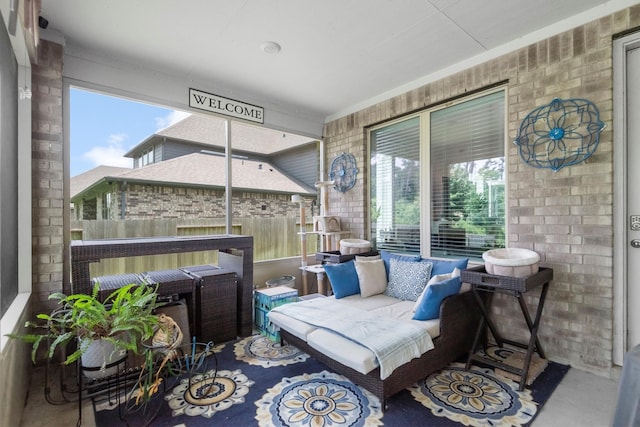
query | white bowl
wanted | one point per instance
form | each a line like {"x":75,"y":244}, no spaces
{"x":514,"y":262}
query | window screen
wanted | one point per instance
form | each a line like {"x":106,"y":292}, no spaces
{"x":467,"y":177}
{"x":395,"y":186}
{"x":8,"y":172}
{"x":463,"y":180}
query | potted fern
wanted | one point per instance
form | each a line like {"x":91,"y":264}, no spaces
{"x":118,"y":325}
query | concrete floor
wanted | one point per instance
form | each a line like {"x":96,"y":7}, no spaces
{"x":581,"y":399}
{"x":39,"y":413}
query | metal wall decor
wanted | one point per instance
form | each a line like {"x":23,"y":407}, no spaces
{"x":562,"y":133}
{"x":343,"y":172}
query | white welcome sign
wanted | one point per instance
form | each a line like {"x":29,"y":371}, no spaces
{"x":228,"y":107}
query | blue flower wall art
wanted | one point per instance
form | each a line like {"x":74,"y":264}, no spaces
{"x":562,"y":133}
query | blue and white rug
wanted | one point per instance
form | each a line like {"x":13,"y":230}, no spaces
{"x":259,"y":383}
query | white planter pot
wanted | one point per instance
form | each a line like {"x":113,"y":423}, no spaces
{"x":354,"y":246}
{"x":514,"y":262}
{"x":99,"y":359}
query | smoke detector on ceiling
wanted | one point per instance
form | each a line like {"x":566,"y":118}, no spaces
{"x":271,"y":48}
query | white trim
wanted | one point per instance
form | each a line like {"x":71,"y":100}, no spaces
{"x":620,"y":248}
{"x":10,"y":321}
{"x":25,"y":171}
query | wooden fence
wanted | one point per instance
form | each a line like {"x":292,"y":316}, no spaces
{"x":272,"y":238}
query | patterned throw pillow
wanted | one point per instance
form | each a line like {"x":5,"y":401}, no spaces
{"x":407,"y":279}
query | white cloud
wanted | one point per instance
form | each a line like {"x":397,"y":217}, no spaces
{"x":171,"y":119}
{"x":110,"y":155}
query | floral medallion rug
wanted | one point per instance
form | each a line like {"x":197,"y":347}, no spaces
{"x":256,"y":382}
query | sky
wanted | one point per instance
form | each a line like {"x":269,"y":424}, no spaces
{"x":103,"y":128}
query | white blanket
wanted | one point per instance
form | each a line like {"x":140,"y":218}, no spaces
{"x":394,"y":342}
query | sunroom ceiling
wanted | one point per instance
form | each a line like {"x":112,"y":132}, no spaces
{"x":337,"y":55}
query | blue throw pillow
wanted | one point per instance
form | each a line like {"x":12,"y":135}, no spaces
{"x":429,"y":307}
{"x":386,"y":257}
{"x":407,"y":279}
{"x":445,"y":266}
{"x":343,"y":278}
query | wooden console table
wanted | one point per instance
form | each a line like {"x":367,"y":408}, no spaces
{"x":85,"y":252}
{"x":482,"y":282}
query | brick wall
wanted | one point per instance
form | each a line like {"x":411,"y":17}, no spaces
{"x":47,"y":175}
{"x":565,"y":216}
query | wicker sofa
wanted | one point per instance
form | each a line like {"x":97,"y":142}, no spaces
{"x":456,"y":326}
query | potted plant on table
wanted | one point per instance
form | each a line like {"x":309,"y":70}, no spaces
{"x":119,"y":324}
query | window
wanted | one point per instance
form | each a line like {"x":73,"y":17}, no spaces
{"x":178,"y":184}
{"x":395,"y":186}
{"x":455,"y":154}
{"x":147,"y":158}
{"x":106,"y":205}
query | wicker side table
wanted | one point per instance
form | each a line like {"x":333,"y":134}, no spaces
{"x":216,"y":303}
{"x":482,"y":282}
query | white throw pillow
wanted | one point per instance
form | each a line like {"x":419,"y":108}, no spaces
{"x":372,"y":277}
{"x":436,"y":279}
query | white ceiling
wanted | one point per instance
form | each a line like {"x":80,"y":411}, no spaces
{"x":337,"y":55}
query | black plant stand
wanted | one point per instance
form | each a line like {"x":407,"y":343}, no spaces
{"x":110,"y":384}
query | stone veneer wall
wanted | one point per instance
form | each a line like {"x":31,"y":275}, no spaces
{"x":47,"y":176}
{"x":155,"y":201}
{"x":565,"y":216}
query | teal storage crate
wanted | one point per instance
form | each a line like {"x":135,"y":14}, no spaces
{"x":264,"y":300}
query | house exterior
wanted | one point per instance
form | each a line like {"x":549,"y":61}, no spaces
{"x":295,"y":155}
{"x":567,"y":216}
{"x":180,"y":172}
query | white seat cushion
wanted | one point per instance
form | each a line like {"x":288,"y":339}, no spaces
{"x":368,"y":303}
{"x":403,"y":310}
{"x":291,"y":325}
{"x":343,"y":350}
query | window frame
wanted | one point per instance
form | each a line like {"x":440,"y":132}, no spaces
{"x":425,"y":159}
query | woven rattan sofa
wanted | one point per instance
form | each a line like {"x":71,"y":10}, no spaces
{"x":458,"y":320}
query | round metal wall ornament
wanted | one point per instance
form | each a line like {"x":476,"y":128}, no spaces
{"x":343,"y":172}
{"x":562,"y":133}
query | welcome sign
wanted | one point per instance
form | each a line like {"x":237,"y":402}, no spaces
{"x":228,"y":107}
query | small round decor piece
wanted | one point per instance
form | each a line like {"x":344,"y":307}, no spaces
{"x":513,"y":262}
{"x":343,"y":172}
{"x":562,"y":133}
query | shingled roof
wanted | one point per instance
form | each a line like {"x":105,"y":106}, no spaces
{"x":209,"y":131}
{"x":80,"y":183}
{"x":202,"y":170}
